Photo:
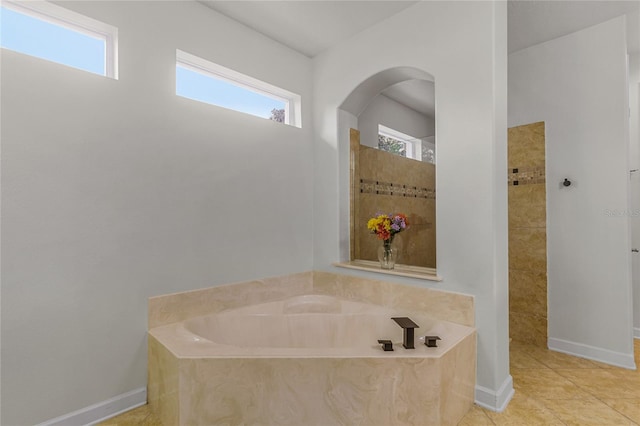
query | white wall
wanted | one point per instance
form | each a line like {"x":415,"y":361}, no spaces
{"x":392,"y":114}
{"x":447,"y":40}
{"x":577,"y":85}
{"x":634,"y":189}
{"x":117,"y":190}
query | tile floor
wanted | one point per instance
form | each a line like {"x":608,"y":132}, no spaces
{"x":551,"y":389}
{"x":558,"y":389}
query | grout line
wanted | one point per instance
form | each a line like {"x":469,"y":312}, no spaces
{"x":611,"y":408}
{"x":553,"y":413}
{"x":486,"y":414}
{"x":541,"y":361}
{"x":490,"y":419}
{"x":595,"y":396}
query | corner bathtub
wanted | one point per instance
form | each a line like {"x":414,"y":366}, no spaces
{"x":309,"y":360}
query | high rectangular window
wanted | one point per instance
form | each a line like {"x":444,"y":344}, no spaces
{"x":59,"y":35}
{"x":398,"y":143}
{"x":204,"y":81}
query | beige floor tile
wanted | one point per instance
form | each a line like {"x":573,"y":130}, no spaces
{"x":553,"y":359}
{"x":141,"y":416}
{"x":546,"y":384}
{"x":628,"y":407}
{"x":519,"y":359}
{"x":515,"y":343}
{"x":609,"y":366}
{"x":605,"y":383}
{"x":576,"y":412}
{"x":524,"y":411}
{"x":476,"y":417}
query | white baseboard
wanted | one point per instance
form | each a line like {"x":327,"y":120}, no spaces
{"x":495,"y":401}
{"x":102,"y":410}
{"x":593,"y":353}
{"x":636,"y":333}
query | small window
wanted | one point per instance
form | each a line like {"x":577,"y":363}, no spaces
{"x":204,"y":81}
{"x":398,"y":143}
{"x":59,"y":35}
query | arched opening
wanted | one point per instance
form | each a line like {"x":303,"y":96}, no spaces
{"x":390,"y":120}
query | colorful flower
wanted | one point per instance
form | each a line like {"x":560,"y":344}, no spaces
{"x":387,"y":226}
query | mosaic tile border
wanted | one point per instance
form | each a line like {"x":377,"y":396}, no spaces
{"x":370,"y":186}
{"x":526,"y":176}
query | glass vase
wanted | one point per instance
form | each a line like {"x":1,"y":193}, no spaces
{"x":387,"y":255}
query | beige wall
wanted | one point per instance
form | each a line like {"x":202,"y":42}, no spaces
{"x":527,"y":234}
{"x":388,"y":183}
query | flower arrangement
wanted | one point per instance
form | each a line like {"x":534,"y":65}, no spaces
{"x":386,"y":226}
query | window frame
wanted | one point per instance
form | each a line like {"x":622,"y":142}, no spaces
{"x":414,"y":143}
{"x":73,"y":21}
{"x":292,"y":101}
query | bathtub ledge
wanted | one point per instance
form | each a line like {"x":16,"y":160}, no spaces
{"x":418,"y":272}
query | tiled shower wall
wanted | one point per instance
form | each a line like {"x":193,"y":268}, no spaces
{"x":527,"y":234}
{"x":388,"y":183}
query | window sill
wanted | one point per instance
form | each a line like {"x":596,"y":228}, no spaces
{"x":400,"y":270}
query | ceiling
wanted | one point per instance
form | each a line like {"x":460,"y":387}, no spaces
{"x":308,"y":26}
{"x":418,"y":95}
{"x":534,"y":22}
{"x":311,"y":26}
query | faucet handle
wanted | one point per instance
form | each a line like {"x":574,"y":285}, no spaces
{"x":430,"y":341}
{"x":387,"y":345}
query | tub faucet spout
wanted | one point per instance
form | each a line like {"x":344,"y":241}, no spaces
{"x":407,"y":326}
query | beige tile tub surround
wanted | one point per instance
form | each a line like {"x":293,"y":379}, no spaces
{"x":603,"y":403}
{"x":176,"y":307}
{"x":444,"y":305}
{"x":384,"y":388}
{"x":163,"y":382}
